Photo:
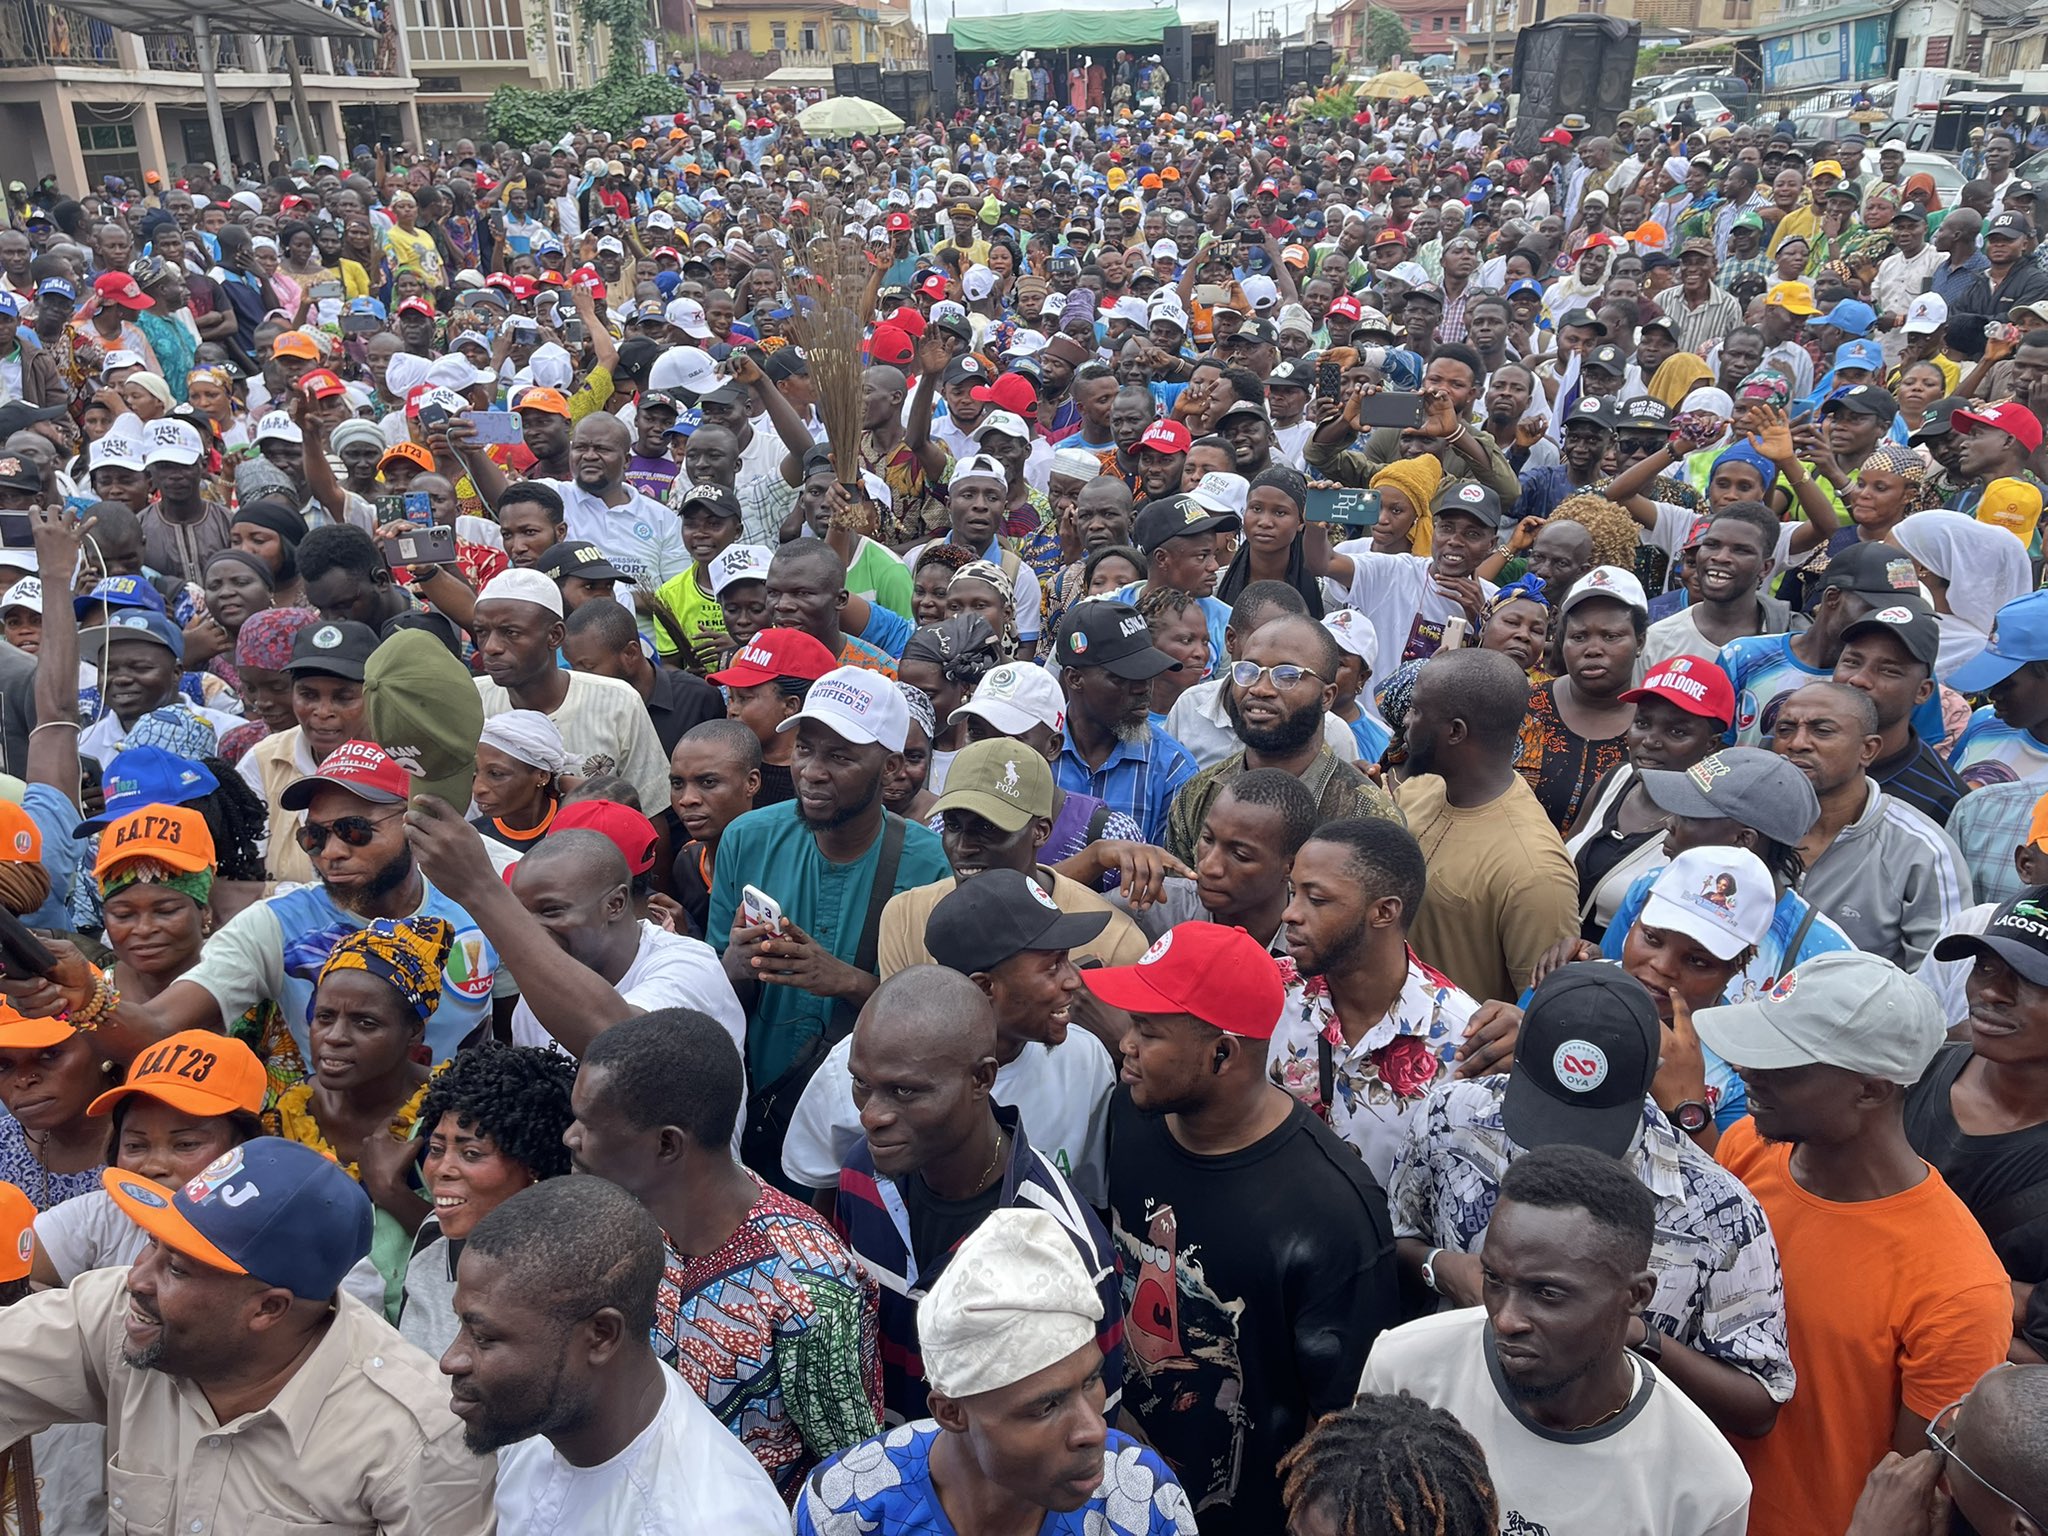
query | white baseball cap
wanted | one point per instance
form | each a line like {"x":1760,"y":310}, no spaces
{"x":1009,"y":423}
{"x":170,"y":441}
{"x":1722,"y":898}
{"x":117,"y":449}
{"x":1024,"y":343}
{"x":858,"y":704}
{"x":279,"y":424}
{"x":738,"y":562}
{"x":979,"y":466}
{"x":1927,"y":313}
{"x":25,"y":593}
{"x":1130,"y":308}
{"x":1609,"y":581}
{"x":685,"y":368}
{"x":1016,"y":696}
{"x":1222,"y":492}
{"x":1261,"y":292}
{"x":978,"y":282}
{"x":523,"y":585}
{"x":1354,"y":632}
{"x":687,"y":316}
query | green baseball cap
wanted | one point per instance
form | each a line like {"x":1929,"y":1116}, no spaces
{"x":421,"y":706}
{"x":1000,"y":780}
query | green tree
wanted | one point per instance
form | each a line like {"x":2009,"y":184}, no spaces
{"x":1386,"y":35}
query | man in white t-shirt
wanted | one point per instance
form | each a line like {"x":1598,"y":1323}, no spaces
{"x":1411,"y":599}
{"x":638,"y":534}
{"x":1580,"y":1433}
{"x":594,"y":1435}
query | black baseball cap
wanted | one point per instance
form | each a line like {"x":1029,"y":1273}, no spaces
{"x":1864,"y":400}
{"x":338,"y":649}
{"x":1470,"y":498}
{"x":2016,"y":934}
{"x":1290,"y":373}
{"x":1583,"y":1061}
{"x":1608,"y":359}
{"x":1939,"y":420}
{"x":1879,"y":572}
{"x":982,"y":922}
{"x":786,"y":363}
{"x":1907,"y":619}
{"x":1912,"y":213}
{"x":586,"y":561}
{"x":1644,"y":414}
{"x":721,"y":498}
{"x":1582,"y":317}
{"x":1596,"y":409}
{"x":2008,"y":223}
{"x":1100,"y":633}
{"x":966,"y":366}
{"x":1176,"y":517}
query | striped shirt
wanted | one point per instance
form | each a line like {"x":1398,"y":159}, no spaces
{"x":871,"y":1215}
{"x":1919,"y":777}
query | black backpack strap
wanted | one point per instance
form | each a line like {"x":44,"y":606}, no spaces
{"x":1096,"y":822}
{"x":843,"y":1013}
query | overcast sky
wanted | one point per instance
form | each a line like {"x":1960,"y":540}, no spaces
{"x":1286,"y":16}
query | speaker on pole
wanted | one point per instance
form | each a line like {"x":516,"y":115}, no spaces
{"x":1177,"y":53}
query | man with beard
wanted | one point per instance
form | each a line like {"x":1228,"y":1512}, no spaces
{"x":235,"y":1343}
{"x":554,"y":1369}
{"x":1159,"y":460}
{"x":1111,"y":748}
{"x":1277,"y":694}
{"x":273,"y":951}
{"x":1588,"y":434}
{"x":1579,"y":1433}
{"x":1248,"y":428}
{"x":1874,"y":1244}
{"x":518,"y":627}
{"x":830,"y":858}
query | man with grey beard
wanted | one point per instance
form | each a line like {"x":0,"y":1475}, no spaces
{"x":1112,"y":750}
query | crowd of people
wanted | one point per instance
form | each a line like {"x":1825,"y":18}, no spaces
{"x":1345,"y":843}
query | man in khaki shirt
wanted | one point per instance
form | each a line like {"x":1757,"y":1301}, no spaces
{"x":997,"y":813}
{"x":241,"y":1391}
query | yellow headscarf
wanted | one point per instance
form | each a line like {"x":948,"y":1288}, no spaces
{"x":1417,"y":479}
{"x":408,"y":953}
{"x":1678,"y":376}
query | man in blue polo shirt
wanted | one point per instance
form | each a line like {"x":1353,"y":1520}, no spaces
{"x":1112,"y":750}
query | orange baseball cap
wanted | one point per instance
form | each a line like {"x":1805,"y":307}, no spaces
{"x":21,"y":841}
{"x":195,"y":1070}
{"x":171,"y":834}
{"x":538,"y":397}
{"x":1649,"y":230}
{"x":17,"y":1233}
{"x":24,"y":1034}
{"x":296,"y":344}
{"x":412,"y":453}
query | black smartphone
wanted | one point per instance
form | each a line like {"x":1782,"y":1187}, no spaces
{"x":23,"y":951}
{"x":1329,"y":379}
{"x":16,"y":531}
{"x":574,"y":332}
{"x":360,"y":325}
{"x":1390,"y":410}
{"x":433,"y":417}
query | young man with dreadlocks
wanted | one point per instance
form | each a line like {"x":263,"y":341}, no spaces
{"x":1388,"y":1464}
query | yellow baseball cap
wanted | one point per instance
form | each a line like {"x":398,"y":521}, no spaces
{"x":1796,"y":297}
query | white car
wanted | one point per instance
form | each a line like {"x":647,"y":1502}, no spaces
{"x":1707,"y":108}
{"x":1948,"y":181}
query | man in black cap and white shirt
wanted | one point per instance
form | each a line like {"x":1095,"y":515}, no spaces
{"x":1890,"y":654}
{"x":1585,"y":1059}
{"x":1420,"y":603}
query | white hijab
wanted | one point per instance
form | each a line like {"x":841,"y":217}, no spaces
{"x":1985,"y":568}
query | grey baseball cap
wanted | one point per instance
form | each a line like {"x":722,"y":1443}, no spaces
{"x":1746,"y":784}
{"x":1842,"y":1009}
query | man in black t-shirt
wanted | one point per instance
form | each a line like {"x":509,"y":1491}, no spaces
{"x":714,"y":773}
{"x":1979,"y":1113}
{"x":1258,"y":1259}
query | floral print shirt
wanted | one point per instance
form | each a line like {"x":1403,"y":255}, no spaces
{"x":884,"y":1485}
{"x":1381,"y":1080}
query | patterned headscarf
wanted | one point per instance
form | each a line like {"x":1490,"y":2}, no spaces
{"x":408,"y":953}
{"x":198,"y":883}
{"x":1766,"y":386}
{"x":921,"y":712}
{"x":962,"y":648}
{"x":1908,"y":466}
{"x":265,"y":638}
{"x":1526,"y":588}
{"x":178,"y":729}
{"x":983,"y":570}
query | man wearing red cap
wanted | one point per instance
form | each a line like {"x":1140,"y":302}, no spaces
{"x":1247,"y":1316}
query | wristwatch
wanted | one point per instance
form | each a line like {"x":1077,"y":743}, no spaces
{"x":1691,"y":1117}
{"x":1429,"y":1271}
{"x":1652,"y":1347}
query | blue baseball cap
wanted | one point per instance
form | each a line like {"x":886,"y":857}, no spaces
{"x":1860,"y":354}
{"x":2019,"y":634}
{"x":8,"y":305}
{"x":134,"y":624}
{"x":1851,"y":315}
{"x":1522,"y":285}
{"x":120,"y":592}
{"x":271,"y":1209}
{"x":57,"y":285}
{"x":148,"y":776}
{"x":367,"y":306}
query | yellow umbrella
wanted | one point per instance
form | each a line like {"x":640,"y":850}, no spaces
{"x":1393,"y":83}
{"x":841,"y":117}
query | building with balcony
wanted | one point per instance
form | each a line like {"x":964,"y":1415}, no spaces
{"x":1431,"y":25}
{"x":462,"y":50}
{"x":83,"y":99}
{"x":750,"y":40}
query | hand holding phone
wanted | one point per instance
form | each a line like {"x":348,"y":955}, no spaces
{"x":760,"y":910}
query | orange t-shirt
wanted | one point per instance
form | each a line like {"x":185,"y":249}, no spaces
{"x":1890,"y":1301}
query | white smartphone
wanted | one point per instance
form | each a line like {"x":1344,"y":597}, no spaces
{"x":759,"y":909}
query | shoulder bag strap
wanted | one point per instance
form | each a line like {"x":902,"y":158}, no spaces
{"x":843,"y":1013}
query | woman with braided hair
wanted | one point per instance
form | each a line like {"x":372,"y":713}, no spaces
{"x":1388,"y":1466}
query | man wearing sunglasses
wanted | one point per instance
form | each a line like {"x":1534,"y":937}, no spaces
{"x":354,"y":833}
{"x":1277,"y":695}
{"x":1987,"y":1453}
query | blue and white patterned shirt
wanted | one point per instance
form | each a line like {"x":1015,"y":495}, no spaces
{"x":1719,"y":1286}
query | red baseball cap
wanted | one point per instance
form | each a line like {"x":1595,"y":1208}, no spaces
{"x":1011,"y":392}
{"x":897,"y":223}
{"x":633,"y":833}
{"x":119,"y":288}
{"x":1346,"y":306}
{"x":1379,"y":173}
{"x":416,"y":306}
{"x":1219,"y":974}
{"x":1167,"y":437}
{"x":322,"y":383}
{"x":774,"y":653}
{"x":909,"y":322}
{"x":2011,"y":418}
{"x":362,"y":768}
{"x":891,"y":344}
{"x":523,"y":287}
{"x":933,"y":285}
{"x":1695,"y":684}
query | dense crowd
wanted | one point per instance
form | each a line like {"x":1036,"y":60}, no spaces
{"x":1338,"y":834}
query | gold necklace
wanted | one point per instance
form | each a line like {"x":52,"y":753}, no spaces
{"x":993,"y":1158}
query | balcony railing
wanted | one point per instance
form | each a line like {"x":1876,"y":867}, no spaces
{"x":33,"y":33}
{"x":175,"y":52}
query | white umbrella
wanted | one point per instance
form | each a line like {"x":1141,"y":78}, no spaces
{"x":839,"y":117}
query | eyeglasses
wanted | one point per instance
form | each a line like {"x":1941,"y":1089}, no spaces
{"x":354,"y":831}
{"x":1286,"y":676}
{"x":1941,"y":1438}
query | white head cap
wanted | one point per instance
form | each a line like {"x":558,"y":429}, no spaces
{"x":1014,"y":1299}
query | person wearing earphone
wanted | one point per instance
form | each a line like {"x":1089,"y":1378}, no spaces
{"x":1257,"y":1252}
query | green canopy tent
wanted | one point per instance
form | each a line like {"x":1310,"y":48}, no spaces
{"x":1009,"y":35}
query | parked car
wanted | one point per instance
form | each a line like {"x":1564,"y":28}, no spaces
{"x":1948,"y":181}
{"x":1707,"y":108}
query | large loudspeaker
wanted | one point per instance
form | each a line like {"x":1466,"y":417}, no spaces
{"x":907,"y":93}
{"x":1254,"y":82}
{"x":943,"y":87}
{"x":1322,"y":59}
{"x":1584,"y":64}
{"x":1177,"y":53}
{"x":845,"y":80}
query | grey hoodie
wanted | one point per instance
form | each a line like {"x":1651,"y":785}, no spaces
{"x":1892,"y":879}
